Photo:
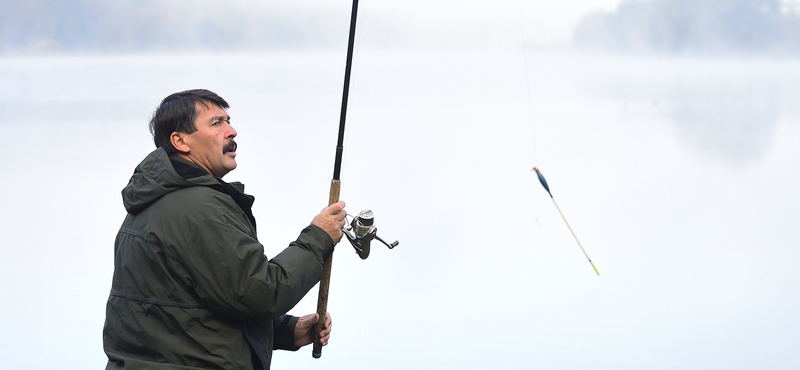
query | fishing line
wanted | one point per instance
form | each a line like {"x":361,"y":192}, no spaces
{"x":527,"y":80}
{"x":531,"y":122}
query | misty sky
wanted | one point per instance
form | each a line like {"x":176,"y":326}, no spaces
{"x":448,"y":21}
{"x":124,"y":26}
{"x":546,"y":22}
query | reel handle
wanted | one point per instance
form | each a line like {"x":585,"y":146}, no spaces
{"x":391,"y":246}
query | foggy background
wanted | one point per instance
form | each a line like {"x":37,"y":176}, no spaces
{"x":660,"y":26}
{"x":668,"y":131}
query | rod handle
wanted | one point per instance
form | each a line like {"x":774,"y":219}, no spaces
{"x":325,"y":282}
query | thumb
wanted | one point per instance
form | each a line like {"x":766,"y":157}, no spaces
{"x":312,"y":319}
{"x":335,"y":207}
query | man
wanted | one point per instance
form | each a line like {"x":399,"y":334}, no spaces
{"x":192,"y":288}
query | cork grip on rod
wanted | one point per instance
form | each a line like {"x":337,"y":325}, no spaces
{"x":324,"y":284}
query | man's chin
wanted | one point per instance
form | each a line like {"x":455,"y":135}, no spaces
{"x":231,"y":165}
{"x":228,"y":166}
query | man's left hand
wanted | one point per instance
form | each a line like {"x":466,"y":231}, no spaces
{"x":304,"y":330}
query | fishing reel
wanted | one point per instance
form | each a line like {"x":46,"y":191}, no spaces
{"x":360,"y":231}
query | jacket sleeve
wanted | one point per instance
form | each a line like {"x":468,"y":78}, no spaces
{"x":231,"y":276}
{"x":283,"y":327}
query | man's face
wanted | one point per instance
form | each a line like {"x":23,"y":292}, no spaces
{"x":212,"y":146}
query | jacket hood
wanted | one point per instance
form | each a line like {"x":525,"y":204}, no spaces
{"x":155,"y":177}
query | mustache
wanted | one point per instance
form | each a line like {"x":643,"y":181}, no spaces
{"x":230,"y":146}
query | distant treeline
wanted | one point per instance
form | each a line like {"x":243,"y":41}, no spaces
{"x":695,"y":27}
{"x":152,"y":25}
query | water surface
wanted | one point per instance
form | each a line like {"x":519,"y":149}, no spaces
{"x":679,"y":176}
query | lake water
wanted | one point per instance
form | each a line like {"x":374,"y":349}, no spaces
{"x":678,"y":175}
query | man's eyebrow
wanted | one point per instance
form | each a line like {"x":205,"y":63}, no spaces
{"x":219,"y":118}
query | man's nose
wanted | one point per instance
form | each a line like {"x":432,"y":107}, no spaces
{"x":231,"y":132}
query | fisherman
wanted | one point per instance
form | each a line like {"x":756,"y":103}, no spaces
{"x":192,"y":288}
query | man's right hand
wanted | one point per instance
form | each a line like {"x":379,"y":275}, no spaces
{"x":331,"y":219}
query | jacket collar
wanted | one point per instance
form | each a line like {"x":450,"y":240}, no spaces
{"x":235,"y":190}
{"x":186,"y":169}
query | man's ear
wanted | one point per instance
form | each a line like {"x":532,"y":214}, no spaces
{"x":180,"y":141}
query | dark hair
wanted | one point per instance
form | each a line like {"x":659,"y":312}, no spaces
{"x":177,"y":113}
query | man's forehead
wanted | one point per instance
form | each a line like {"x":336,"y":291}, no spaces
{"x":206,"y":108}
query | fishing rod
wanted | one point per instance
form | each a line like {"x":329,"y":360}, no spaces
{"x":360,"y":230}
{"x":544,"y":183}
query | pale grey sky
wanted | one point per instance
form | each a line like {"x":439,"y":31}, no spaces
{"x":450,"y":22}
{"x":253,"y":25}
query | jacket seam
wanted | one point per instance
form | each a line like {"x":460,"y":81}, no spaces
{"x":176,"y":305}
{"x":153,"y":242}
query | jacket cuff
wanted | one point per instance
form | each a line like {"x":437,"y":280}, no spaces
{"x":317,"y":239}
{"x":283,"y":327}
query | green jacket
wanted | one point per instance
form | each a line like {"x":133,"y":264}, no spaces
{"x":192,"y":288}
